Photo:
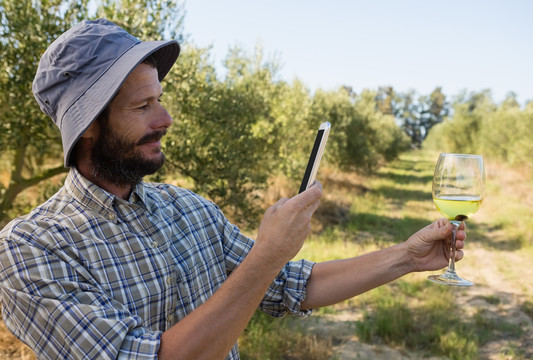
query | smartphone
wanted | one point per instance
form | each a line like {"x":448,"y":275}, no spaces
{"x":316,"y":156}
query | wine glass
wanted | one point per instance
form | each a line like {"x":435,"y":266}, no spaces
{"x":458,"y":187}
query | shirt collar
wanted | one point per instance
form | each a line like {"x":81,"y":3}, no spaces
{"x":98,"y":199}
{"x":139,"y":196}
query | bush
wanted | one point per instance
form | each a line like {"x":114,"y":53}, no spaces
{"x":478,"y":126}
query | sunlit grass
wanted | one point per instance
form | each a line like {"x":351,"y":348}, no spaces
{"x":336,"y":244}
{"x":273,"y":338}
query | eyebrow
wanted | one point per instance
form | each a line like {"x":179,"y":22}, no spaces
{"x":135,"y":101}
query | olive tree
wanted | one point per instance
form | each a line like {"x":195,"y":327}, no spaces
{"x":28,"y":139}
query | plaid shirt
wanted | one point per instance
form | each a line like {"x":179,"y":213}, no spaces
{"x":89,"y":275}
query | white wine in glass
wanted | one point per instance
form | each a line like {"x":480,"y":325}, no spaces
{"x":458,"y":189}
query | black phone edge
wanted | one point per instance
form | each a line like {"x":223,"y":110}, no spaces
{"x":312,"y":160}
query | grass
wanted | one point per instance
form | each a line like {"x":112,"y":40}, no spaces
{"x":412,"y":314}
{"x":271,"y":338}
{"x":421,"y":317}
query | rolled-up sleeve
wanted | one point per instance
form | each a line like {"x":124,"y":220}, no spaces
{"x":287,"y":292}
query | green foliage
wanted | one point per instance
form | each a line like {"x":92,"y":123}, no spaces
{"x":416,"y":115}
{"x":147,"y":20}
{"x":291,"y":106}
{"x":479,"y":126}
{"x":388,"y":140}
{"x":223,"y":138}
{"x":463,"y":130}
{"x":507,"y":134}
{"x":27,"y":136}
{"x":348,"y":145}
{"x":231,"y":135}
{"x":361,"y":137}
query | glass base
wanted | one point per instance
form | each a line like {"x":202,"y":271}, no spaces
{"x":450,"y":278}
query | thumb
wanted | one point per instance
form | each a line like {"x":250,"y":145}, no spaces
{"x":310,"y":196}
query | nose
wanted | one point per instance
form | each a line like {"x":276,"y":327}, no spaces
{"x":162,"y":120}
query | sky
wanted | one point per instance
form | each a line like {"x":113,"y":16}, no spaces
{"x":417,"y":45}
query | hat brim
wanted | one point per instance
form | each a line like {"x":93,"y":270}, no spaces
{"x":86,"y":109}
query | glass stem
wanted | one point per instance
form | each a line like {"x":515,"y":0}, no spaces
{"x":451,"y":265}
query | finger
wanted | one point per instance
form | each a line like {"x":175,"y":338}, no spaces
{"x":461,"y":231}
{"x":459,"y":254}
{"x":317,"y":184}
{"x":443,"y":222}
{"x":445,"y":227}
{"x":440,"y":229}
{"x":309,"y":197}
{"x":460,"y":235}
{"x":439,"y":223}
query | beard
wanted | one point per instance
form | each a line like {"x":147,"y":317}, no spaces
{"x":116,"y":160}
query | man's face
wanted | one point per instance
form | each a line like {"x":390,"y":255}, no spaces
{"x":129,"y":143}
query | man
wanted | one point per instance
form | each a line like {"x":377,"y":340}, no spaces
{"x":112,"y":267}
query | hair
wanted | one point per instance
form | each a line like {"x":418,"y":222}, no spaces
{"x":104,"y":115}
{"x":150,"y":60}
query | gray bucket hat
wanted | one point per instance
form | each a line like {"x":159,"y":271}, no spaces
{"x":83,"y":69}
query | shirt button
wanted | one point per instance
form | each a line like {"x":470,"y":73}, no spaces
{"x":170,"y":317}
{"x":169,"y":281}
{"x":154,"y":243}
{"x":111,"y":216}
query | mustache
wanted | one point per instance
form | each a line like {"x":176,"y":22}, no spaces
{"x":151,"y":137}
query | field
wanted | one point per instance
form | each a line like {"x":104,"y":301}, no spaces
{"x":410,"y":318}
{"x":413,"y":318}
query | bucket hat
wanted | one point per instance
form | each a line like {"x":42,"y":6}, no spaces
{"x":83,"y":69}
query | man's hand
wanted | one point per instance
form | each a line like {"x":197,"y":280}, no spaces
{"x":429,"y":248}
{"x":286,"y":225}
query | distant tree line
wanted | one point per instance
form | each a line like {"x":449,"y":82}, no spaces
{"x":415,"y":114}
{"x":501,"y":131}
{"x":230,"y":134}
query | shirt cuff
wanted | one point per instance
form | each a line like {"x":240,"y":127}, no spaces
{"x":288,"y":290}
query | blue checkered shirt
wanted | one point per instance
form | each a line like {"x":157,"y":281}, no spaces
{"x":88,"y":275}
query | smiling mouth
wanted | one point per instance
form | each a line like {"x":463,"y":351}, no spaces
{"x":152,"y":138}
